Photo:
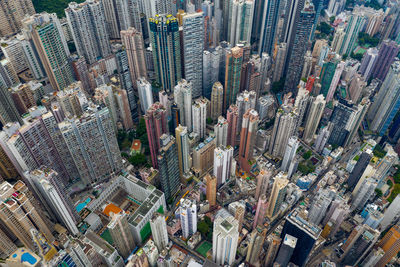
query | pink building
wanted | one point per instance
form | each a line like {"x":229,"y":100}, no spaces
{"x":156,"y":125}
{"x":260,"y":212}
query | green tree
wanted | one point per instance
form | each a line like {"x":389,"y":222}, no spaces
{"x":378,"y":192}
{"x":203,"y":228}
{"x":357,"y":56}
{"x":141,"y":129}
{"x":307,"y":155}
{"x":332,"y":19}
{"x":138,"y":160}
{"x":278,"y":86}
{"x":209,"y":121}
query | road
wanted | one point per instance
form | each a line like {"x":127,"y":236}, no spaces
{"x":179,"y":243}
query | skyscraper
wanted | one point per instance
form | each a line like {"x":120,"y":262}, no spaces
{"x":168,"y":165}
{"x":188,"y":216}
{"x":225,"y":240}
{"x":358,"y":169}
{"x":156,"y":125}
{"x":51,"y":46}
{"x":245,"y":100}
{"x":284,"y":127}
{"x":327,"y":73}
{"x":290,"y":153}
{"x":277,"y":196}
{"x":159,"y":230}
{"x":193,"y":46}
{"x":313,"y":118}
{"x":387,"y":101}
{"x":183,"y":99}
{"x":257,"y":238}
{"x":223,"y":157}
{"x":199,"y":113}
{"x":19,"y":211}
{"x":50,"y":191}
{"x":286,"y":250}
{"x":232,"y":118}
{"x":269,"y":26}
{"x":145,"y":93}
{"x":211,"y":69}
{"x":354,"y":26}
{"x":306,"y":234}
{"x":248,"y":138}
{"x":386,"y":56}
{"x":8,"y":110}
{"x":233,"y":64}
{"x":182,"y":140}
{"x":121,"y":234}
{"x":93,"y":145}
{"x":211,"y":189}
{"x":298,"y":50}
{"x":335,"y":80}
{"x":359,"y":242}
{"x":390,"y":243}
{"x":261,"y":209}
{"x":340,"y":118}
{"x":217,"y":100}
{"x":164,"y":35}
{"x":89,"y":31}
{"x":121,"y":15}
{"x":132,"y":39}
{"x":240,"y":23}
{"x":221,"y":132}
{"x":366,"y":190}
{"x":391,"y":213}
{"x":368,"y":62}
{"x":11,"y":14}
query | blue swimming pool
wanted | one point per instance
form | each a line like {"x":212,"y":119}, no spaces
{"x":27,"y":257}
{"x":81,"y":205}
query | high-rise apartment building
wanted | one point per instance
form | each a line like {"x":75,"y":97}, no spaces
{"x":240,"y":23}
{"x":13,"y":51}
{"x":295,"y":59}
{"x":188,"y":216}
{"x":156,"y":125}
{"x":313,"y":118}
{"x":19,"y":211}
{"x":223,"y":157}
{"x":225,"y":240}
{"x":368,"y":62}
{"x":387,"y":101}
{"x":354,"y":26}
{"x":183,"y":99}
{"x":390,"y":244}
{"x":257,"y":238}
{"x":121,"y":15}
{"x":182,"y":141}
{"x":277,"y":196}
{"x":211,"y":189}
{"x":199,"y":113}
{"x":193,"y":46}
{"x":145,"y":93}
{"x":286,"y":250}
{"x":211,"y":69}
{"x":93,"y":145}
{"x":290,"y":153}
{"x":165,"y":40}
{"x":89,"y":30}
{"x":159,"y":230}
{"x":132,"y":39}
{"x":284,"y":127}
{"x":269,"y":28}
{"x":52,"y":48}
{"x":233,"y":67}
{"x":248,"y":139}
{"x":203,"y":156}
{"x":232,"y":117}
{"x":386,"y":56}
{"x":359,"y":242}
{"x":121,"y":234}
{"x":8,"y":110}
{"x":168,"y":166}
{"x":245,"y":100}
{"x":217,"y":100}
{"x":11,"y":15}
{"x":221,"y":132}
{"x":261,"y":210}
{"x":49,"y":189}
{"x":23,"y":98}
